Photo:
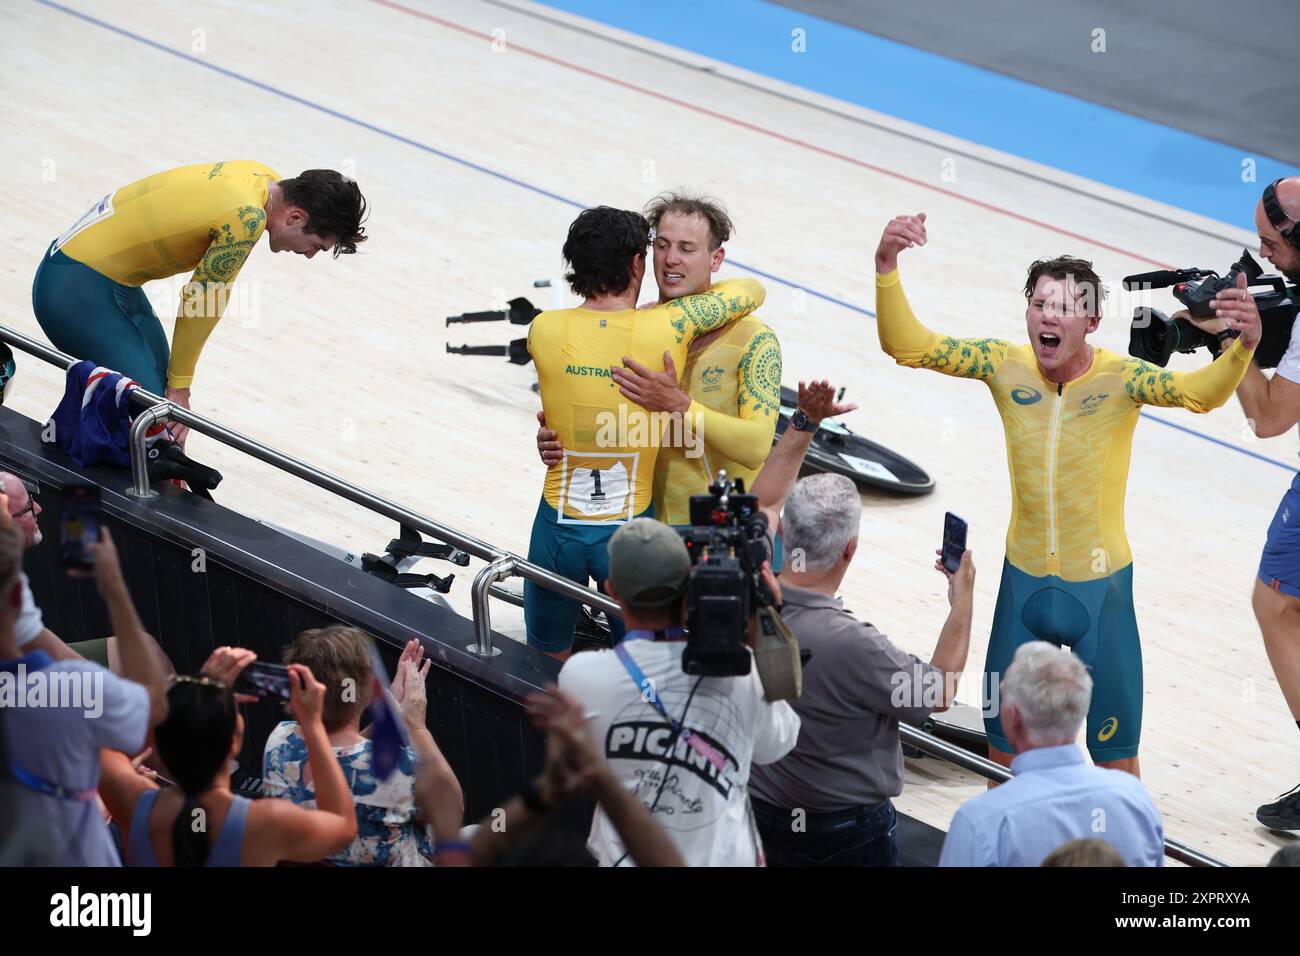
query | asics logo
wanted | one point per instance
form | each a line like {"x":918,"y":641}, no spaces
{"x":1024,"y":395}
{"x":1108,"y":728}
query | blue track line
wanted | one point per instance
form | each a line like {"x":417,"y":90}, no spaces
{"x":1220,"y":441}
{"x":424,"y":147}
{"x":442,"y":154}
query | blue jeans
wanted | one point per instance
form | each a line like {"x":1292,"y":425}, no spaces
{"x":859,"y":836}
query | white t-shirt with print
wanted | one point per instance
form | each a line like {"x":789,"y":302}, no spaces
{"x":706,"y":812}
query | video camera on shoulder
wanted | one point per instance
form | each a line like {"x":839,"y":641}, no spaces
{"x":727,"y":542}
{"x":1154,"y":336}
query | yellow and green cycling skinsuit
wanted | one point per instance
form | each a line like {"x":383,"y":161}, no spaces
{"x":1068,"y":572}
{"x":734,"y":382}
{"x":606,"y":473}
{"x":87,"y":294}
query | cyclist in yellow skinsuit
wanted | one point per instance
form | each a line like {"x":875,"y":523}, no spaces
{"x":88,"y":294}
{"x":605,"y":473}
{"x":1069,"y":411}
{"x":731,"y":381}
{"x":734,"y":380}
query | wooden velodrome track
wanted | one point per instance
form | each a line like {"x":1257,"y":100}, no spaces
{"x":474,"y":159}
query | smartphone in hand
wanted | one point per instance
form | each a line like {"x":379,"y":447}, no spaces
{"x":954,"y":541}
{"x":79,"y":526}
{"x":263,"y":681}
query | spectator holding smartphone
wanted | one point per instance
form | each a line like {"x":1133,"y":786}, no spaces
{"x":390,"y":828}
{"x":200,"y":822}
{"x":53,"y":750}
{"x":829,"y":801}
{"x":30,"y":630}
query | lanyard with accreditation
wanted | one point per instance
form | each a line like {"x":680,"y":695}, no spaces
{"x":651,"y":697}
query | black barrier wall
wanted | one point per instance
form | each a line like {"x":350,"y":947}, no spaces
{"x":202,"y":576}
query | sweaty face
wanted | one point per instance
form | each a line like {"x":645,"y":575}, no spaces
{"x":1058,"y":319}
{"x":684,"y":263}
{"x":287,"y":234}
{"x":1281,"y":255}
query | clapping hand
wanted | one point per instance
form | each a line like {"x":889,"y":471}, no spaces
{"x":414,"y":652}
{"x":817,"y":401}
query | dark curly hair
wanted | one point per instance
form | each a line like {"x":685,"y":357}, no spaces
{"x":600,"y":249}
{"x":1064,"y":268}
{"x":334,"y":206}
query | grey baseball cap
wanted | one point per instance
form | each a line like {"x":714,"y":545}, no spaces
{"x":648,"y":563}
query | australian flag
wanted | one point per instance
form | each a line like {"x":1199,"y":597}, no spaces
{"x":93,"y":422}
{"x":387,"y":726}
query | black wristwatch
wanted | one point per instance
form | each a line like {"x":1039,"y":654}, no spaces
{"x":801,"y":422}
{"x":1224,"y":340}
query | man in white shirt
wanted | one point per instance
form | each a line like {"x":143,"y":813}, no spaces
{"x":56,"y":715}
{"x":682,"y":744}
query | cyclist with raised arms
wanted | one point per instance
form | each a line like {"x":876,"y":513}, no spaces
{"x":1068,"y":410}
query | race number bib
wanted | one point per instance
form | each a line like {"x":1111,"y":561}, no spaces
{"x":96,"y":213}
{"x":597,"y":487}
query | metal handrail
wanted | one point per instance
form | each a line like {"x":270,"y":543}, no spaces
{"x":144,"y":421}
{"x":502,"y":567}
{"x":501,"y":563}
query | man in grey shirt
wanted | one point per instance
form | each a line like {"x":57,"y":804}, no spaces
{"x":828,"y":801}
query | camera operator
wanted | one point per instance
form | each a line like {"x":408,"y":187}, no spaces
{"x":827,"y":803}
{"x":1272,"y":406}
{"x":681,"y":743}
